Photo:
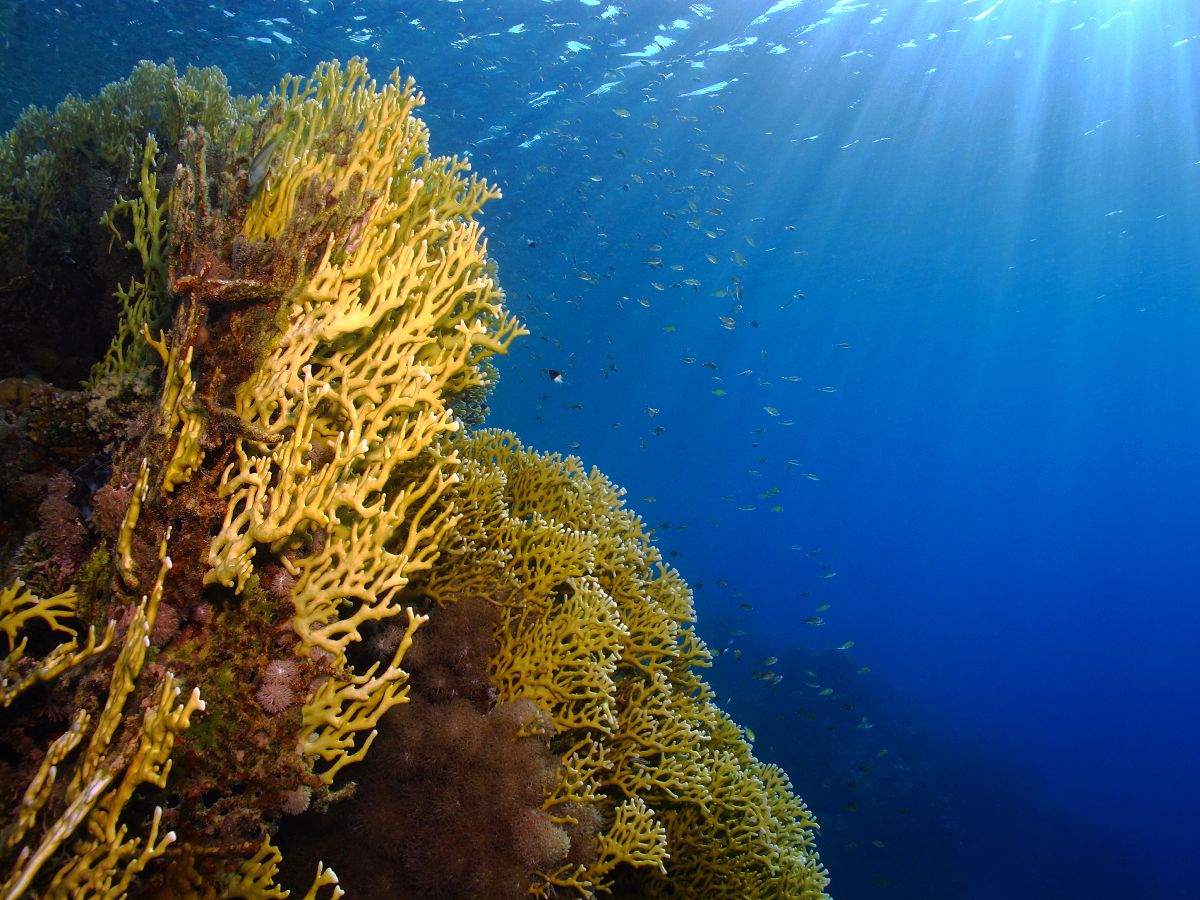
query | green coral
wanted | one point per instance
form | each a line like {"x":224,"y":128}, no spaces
{"x":60,"y":171}
{"x":144,"y":305}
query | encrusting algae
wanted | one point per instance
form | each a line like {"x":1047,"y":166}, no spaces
{"x":217,"y":590}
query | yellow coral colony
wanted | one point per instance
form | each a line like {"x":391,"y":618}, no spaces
{"x":595,"y":629}
{"x":343,"y":476}
{"x":118,"y":755}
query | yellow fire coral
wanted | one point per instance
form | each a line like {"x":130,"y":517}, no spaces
{"x":342,"y":475}
{"x":106,"y":858}
{"x":595,"y":628}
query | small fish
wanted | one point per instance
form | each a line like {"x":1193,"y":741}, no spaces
{"x":828,"y":389}
{"x":824,"y":607}
{"x":554,"y":375}
{"x":261,"y":163}
{"x":845,"y":646}
{"x":769,"y":661}
{"x":623,"y":113}
{"x":825,"y":692}
{"x":814,"y":620}
{"x":728,"y":323}
{"x":770,"y":410}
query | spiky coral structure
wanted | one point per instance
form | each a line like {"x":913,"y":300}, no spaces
{"x":304,"y":468}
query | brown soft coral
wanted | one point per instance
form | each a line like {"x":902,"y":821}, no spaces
{"x":61,"y":530}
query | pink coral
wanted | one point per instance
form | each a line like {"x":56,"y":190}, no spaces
{"x":61,"y":529}
{"x":276,"y":693}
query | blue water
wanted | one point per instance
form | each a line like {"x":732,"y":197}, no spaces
{"x":957,"y":400}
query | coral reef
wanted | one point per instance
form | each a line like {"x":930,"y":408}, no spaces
{"x":277,"y":605}
{"x":61,"y":172}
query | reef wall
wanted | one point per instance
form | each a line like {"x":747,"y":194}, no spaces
{"x":277,"y":605}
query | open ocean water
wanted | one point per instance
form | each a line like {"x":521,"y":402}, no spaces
{"x":887,"y":316}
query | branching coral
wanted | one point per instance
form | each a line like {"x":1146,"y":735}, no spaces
{"x":106,"y":858}
{"x":348,"y":402}
{"x":595,"y":628}
{"x":143,"y":305}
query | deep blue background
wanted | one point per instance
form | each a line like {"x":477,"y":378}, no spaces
{"x":978,"y":223}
